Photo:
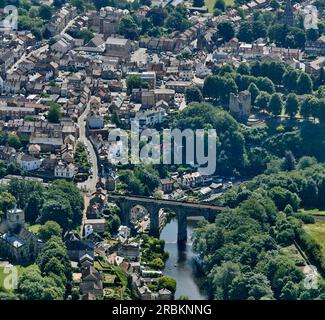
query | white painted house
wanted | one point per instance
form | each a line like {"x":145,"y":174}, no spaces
{"x":28,"y":163}
{"x":150,"y":117}
{"x":63,"y":170}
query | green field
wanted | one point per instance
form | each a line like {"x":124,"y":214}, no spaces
{"x":313,"y":212}
{"x":210,"y":4}
{"x":317,"y":232}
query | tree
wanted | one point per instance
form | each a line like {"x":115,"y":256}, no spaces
{"x":306,"y":107}
{"x":157,"y":263}
{"x":257,"y":160}
{"x":75,"y":295}
{"x":52,"y":293}
{"x":226,"y":30}
{"x":54,"y":113}
{"x":243,"y":69}
{"x":222,"y":278}
{"x":310,"y":193}
{"x":193,"y":94}
{"x":217,"y":12}
{"x":14,"y":141}
{"x":68,"y":194}
{"x":304,"y":84}
{"x":33,"y":207}
{"x":278,"y":33}
{"x":115,"y":223}
{"x":128,"y":27}
{"x":32,"y":285}
{"x":60,"y":267}
{"x":79,"y":4}
{"x":3,"y":168}
{"x":157,"y":16}
{"x":58,"y":3}
{"x":177,"y":19}
{"x":253,"y":91}
{"x":146,"y":26}
{"x":274,"y":4}
{"x":275,"y":70}
{"x":306,"y":162}
{"x":115,"y":119}
{"x":49,"y":229}
{"x":168,"y":283}
{"x":251,"y":286}
{"x":262,"y":100}
{"x":7,"y":202}
{"x":134,"y":184}
{"x":259,"y":29}
{"x":282,"y":198}
{"x":275,"y":104}
{"x":320,"y":80}
{"x":292,"y":105}
{"x":289,"y":163}
{"x":229,"y":86}
{"x":296,"y":38}
{"x":22,"y":190}
{"x":265,"y":84}
{"x":289,"y":291}
{"x":312,"y":34}
{"x":54,"y":266}
{"x":290,"y":79}
{"x":58,"y":210}
{"x":288,"y":210}
{"x":321,"y":110}
{"x":245,"y":33}
{"x":198,"y":3}
{"x":220,"y":4}
{"x":45,"y":12}
{"x":219,"y":88}
{"x":135,"y":82}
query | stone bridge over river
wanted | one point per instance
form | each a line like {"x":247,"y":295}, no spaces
{"x":152,"y":205}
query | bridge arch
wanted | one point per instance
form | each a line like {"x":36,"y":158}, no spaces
{"x":153,"y":206}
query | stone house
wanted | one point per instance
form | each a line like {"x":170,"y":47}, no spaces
{"x":92,"y":282}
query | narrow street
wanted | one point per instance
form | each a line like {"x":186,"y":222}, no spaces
{"x":89,"y":186}
{"x":39,"y":50}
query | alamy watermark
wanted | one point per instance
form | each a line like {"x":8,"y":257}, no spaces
{"x":311,"y":17}
{"x":171,"y":146}
{"x":10,"y":22}
{"x":9,"y":277}
{"x":311,"y":277}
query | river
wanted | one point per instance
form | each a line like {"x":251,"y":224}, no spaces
{"x":180,"y":264}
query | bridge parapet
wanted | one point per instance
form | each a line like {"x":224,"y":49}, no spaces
{"x":182,"y":210}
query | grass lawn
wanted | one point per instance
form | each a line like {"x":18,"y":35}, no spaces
{"x":210,"y":4}
{"x":313,"y":212}
{"x":317,"y":231}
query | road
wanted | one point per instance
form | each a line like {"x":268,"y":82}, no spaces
{"x":39,"y":50}
{"x":89,"y":185}
{"x":26,"y":56}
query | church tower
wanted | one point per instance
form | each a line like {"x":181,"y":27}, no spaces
{"x":15,"y":219}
